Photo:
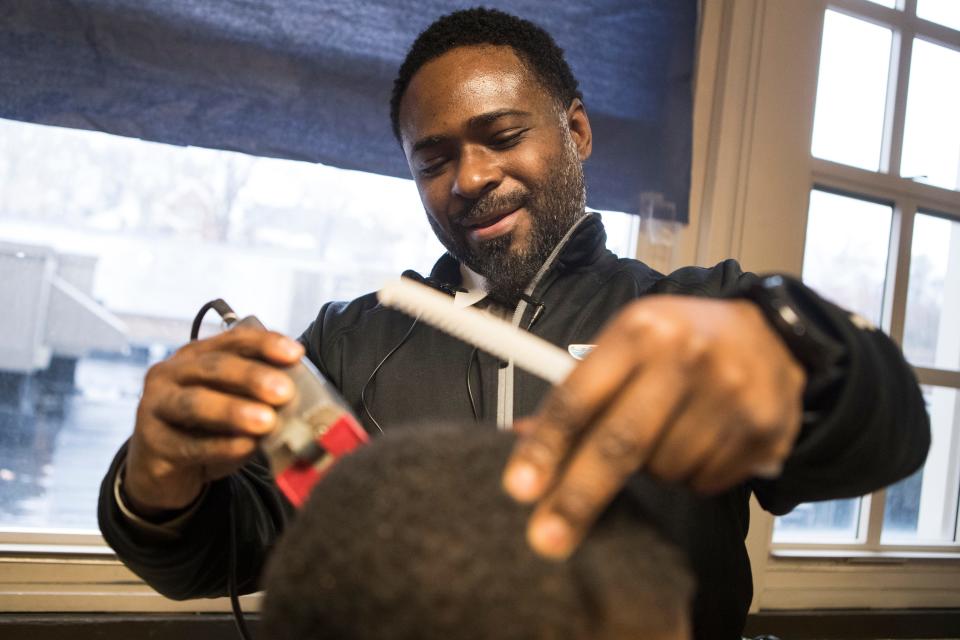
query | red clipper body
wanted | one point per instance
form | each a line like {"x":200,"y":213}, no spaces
{"x":316,"y":428}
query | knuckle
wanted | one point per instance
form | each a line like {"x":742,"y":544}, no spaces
{"x":659,"y":468}
{"x":731,"y":377}
{"x":636,"y":318}
{"x":621,"y":447}
{"x":242,"y":447}
{"x":155,"y":373}
{"x":576,"y":504}
{"x":187,"y":403}
{"x":250,"y":335}
{"x":236,"y":414}
{"x":694,"y":349}
{"x":542,"y":452}
{"x":188,"y":453}
{"x":798,"y":377}
{"x":766,"y":420}
{"x":667,"y":332}
{"x":211,"y":362}
{"x":187,"y":350}
{"x":563,"y":410}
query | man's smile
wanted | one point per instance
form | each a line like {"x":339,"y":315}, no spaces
{"x":493,"y":226}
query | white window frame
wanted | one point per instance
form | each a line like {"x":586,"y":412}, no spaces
{"x":750,"y":183}
{"x":752,"y":180}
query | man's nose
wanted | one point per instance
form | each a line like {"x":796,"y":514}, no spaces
{"x":477,"y":173}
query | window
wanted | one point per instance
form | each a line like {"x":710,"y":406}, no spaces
{"x":109,"y":245}
{"x":883,"y":239}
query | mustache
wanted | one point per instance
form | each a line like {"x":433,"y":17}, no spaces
{"x":491,"y":203}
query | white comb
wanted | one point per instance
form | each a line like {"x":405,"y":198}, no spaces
{"x":478,"y":328}
{"x":493,"y":335}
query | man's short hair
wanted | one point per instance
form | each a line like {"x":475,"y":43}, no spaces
{"x":479,"y":26}
{"x":412,"y":537}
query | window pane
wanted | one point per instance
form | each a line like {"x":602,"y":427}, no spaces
{"x":109,"y":246}
{"x":845,"y":255}
{"x":890,"y":4}
{"x":923,"y":507}
{"x":932,"y":327}
{"x":831,"y":521}
{"x":945,"y":12}
{"x":844,"y":259}
{"x":931,"y":136}
{"x":851,"y":91}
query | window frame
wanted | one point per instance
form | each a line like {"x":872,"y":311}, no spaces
{"x":750,"y":202}
{"x":750,"y":181}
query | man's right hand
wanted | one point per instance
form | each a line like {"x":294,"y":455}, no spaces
{"x":202,"y":414}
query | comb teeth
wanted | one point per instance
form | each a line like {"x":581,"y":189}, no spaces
{"x":480,"y":329}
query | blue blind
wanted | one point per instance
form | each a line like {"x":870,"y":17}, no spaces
{"x":310,"y":79}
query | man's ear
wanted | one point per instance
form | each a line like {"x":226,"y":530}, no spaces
{"x":579,"y":125}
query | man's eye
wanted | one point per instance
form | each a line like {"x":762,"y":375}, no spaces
{"x":432,"y":168}
{"x":507,"y":140}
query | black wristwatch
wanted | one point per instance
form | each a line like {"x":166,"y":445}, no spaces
{"x":778,"y":300}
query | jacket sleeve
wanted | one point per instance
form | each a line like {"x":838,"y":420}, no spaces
{"x":865,"y":422}
{"x":195,"y":561}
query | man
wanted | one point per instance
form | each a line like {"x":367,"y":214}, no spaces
{"x":413,"y":538}
{"x":709,"y":379}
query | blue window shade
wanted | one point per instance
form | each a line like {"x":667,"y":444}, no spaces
{"x":311,"y":79}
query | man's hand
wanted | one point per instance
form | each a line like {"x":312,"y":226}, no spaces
{"x":693,"y":391}
{"x":202,"y":413}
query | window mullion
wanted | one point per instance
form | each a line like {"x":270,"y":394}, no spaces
{"x":898,"y":269}
{"x":901,"y":53}
{"x":938,"y":377}
{"x":878,"y":503}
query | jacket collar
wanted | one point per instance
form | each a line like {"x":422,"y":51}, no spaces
{"x":587,"y":245}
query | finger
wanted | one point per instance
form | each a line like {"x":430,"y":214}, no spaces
{"x":637,"y":335}
{"x":615,"y":448}
{"x":551,"y":433}
{"x":694,"y":436}
{"x":204,"y":410}
{"x":236,"y":374}
{"x":730,"y":464}
{"x":185,"y":450}
{"x":757,"y":446}
{"x":252,"y":343}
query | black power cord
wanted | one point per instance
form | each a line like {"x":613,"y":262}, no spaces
{"x":473,"y":403}
{"x":218,"y":305}
{"x":363,"y":390}
{"x":229,"y":317}
{"x":232,"y":588}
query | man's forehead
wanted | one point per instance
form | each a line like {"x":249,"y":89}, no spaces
{"x":466,"y":82}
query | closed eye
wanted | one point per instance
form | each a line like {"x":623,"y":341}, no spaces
{"x":432,"y":167}
{"x":505,"y":140}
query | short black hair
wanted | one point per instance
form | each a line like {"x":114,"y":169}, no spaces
{"x":412,"y":537}
{"x":479,"y":26}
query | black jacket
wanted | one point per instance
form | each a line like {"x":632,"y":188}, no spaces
{"x":869,"y":425}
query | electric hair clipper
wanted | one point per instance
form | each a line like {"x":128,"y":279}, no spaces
{"x":315,"y":428}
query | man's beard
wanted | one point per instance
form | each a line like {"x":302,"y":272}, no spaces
{"x":552,"y":207}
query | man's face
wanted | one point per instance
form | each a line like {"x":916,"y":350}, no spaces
{"x":496,"y":160}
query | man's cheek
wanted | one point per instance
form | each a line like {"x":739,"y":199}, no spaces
{"x":522,"y":233}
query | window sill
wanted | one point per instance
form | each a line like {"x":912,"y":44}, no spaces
{"x":891,"y":556}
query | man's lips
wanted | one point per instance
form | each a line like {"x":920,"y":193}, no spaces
{"x":494,"y":226}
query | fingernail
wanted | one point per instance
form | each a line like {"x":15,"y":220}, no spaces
{"x":260,"y":415}
{"x":523,"y":482}
{"x":280,"y":386}
{"x":551,"y":536}
{"x":291,"y":348}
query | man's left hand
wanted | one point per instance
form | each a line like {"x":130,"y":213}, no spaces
{"x":690,"y":390}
